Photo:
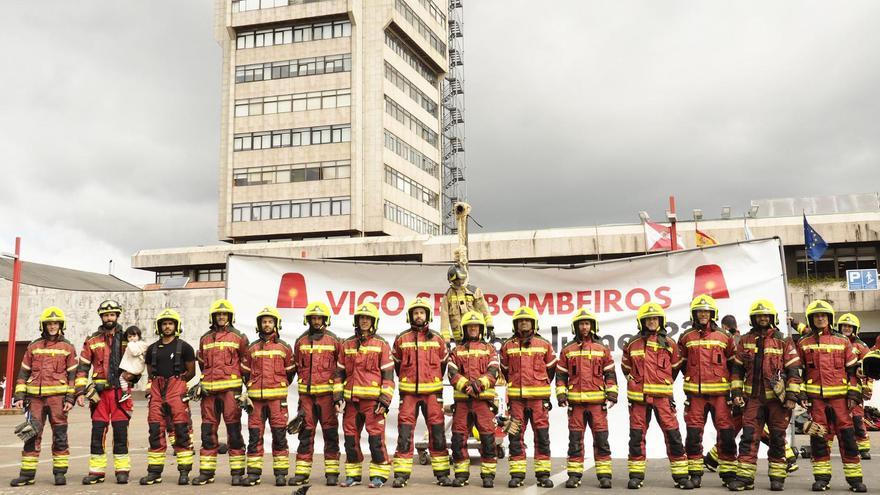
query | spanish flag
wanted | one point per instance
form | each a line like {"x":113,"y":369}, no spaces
{"x":703,"y":239}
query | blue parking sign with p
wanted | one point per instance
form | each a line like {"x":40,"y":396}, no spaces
{"x":861,"y":279}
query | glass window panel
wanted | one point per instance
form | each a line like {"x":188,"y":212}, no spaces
{"x":343,"y":172}
{"x":328,"y":173}
{"x":299,"y":104}
{"x":343,"y":100}
{"x":270,"y":107}
{"x":314,"y":102}
{"x":285,"y":210}
{"x":313,"y":173}
{"x":298,"y":175}
{"x":295,"y":210}
{"x":283,"y":106}
{"x":346,"y":206}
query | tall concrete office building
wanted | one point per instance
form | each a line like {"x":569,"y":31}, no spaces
{"x":330,"y":118}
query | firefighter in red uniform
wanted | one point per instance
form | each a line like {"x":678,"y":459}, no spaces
{"x":832,"y":392}
{"x":528,"y":363}
{"x":171,"y":363}
{"x":420,"y":358}
{"x":221,"y":352}
{"x":473,"y":371}
{"x":316,"y":353}
{"x":708,"y":352}
{"x":849,"y":325}
{"x":651,"y":362}
{"x":98,"y":375}
{"x":587,"y":385}
{"x":269,"y":363}
{"x":45,"y":387}
{"x":764,"y":357}
{"x":366,"y":370}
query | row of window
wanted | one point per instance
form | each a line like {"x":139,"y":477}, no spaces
{"x":410,"y":154}
{"x":293,"y":68}
{"x":400,"y":114}
{"x":410,"y":89}
{"x":297,"y":102}
{"x":248,"y":5}
{"x":292,"y":34}
{"x":411,"y":187}
{"x":297,"y":172}
{"x":435,"y":11}
{"x":284,"y":138}
{"x":400,"y":48}
{"x":410,"y":220}
{"x":201,"y":275}
{"x":411,"y":17}
{"x":297,"y":208}
{"x":836,"y":261}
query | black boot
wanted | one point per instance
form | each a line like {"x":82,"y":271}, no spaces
{"x":856,"y":485}
{"x":237,"y":480}
{"x":25,"y":478}
{"x":777,"y":484}
{"x":635,"y":483}
{"x":444,"y":480}
{"x":60,"y":479}
{"x":280,"y":480}
{"x":460,"y":480}
{"x":183,"y":477}
{"x":726,"y":478}
{"x":93,"y":479}
{"x":697,"y":480}
{"x":253,"y":479}
{"x":400,"y":481}
{"x":573,"y":481}
{"x":544,"y":481}
{"x":152,"y":478}
{"x":739,"y":484}
{"x":516,"y":481}
{"x":683,"y":483}
{"x":820,"y":485}
{"x":605,"y":482}
{"x":488,"y":481}
{"x":332,"y":479}
{"x":122,"y":478}
{"x":298,"y":479}
{"x":865,"y":455}
{"x":203,"y":478}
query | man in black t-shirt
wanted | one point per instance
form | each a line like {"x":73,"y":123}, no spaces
{"x":171,"y":363}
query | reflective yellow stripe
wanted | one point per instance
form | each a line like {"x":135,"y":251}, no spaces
{"x":97,"y":345}
{"x":270,"y":353}
{"x":472,"y":352}
{"x":364,"y":349}
{"x":657,"y":388}
{"x":316,"y":348}
{"x":20,"y":387}
{"x":423,"y":387}
{"x":636,"y":466}
{"x":51,"y":352}
{"x":637,"y":353}
{"x":591,"y":396}
{"x":221,"y":384}
{"x":706,"y":387}
{"x":46,"y":389}
{"x":489,"y":393}
{"x":317,"y":388}
{"x":826,"y":391}
{"x":426,"y":344}
{"x":823,"y":347}
{"x":523,"y":392}
{"x":585,"y":353}
{"x":220,"y":345}
{"x":635,"y":396}
{"x":707,"y":343}
{"x":267,"y":393}
{"x":516,"y":351}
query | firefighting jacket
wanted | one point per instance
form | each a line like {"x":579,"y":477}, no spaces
{"x":829,"y":365}
{"x":585,"y":372}
{"x":456,"y":302}
{"x":48,"y":368}
{"x":315,"y":356}
{"x":528,"y":365}
{"x":708,"y":357}
{"x":650,"y":367}
{"x":420,"y":358}
{"x":473,"y":361}
{"x":269,"y":366}
{"x":762,"y":357}
{"x":96,"y":356}
{"x":866,"y":384}
{"x":220,"y":355}
{"x":365,"y":369}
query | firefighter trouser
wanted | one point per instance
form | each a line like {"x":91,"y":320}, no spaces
{"x":535,"y":411}
{"x":639,"y":420}
{"x":167,"y":405}
{"x":758,"y":413}
{"x":737,"y":428}
{"x":596,"y":417}
{"x":696,"y":411}
{"x":318,"y":409}
{"x":274,"y":411}
{"x":109,"y":412}
{"x":360,"y":413}
{"x":43,"y":408}
{"x":214,"y":406}
{"x":467,"y":415}
{"x":862,"y":439}
{"x":431,"y":407}
{"x":837,"y":418}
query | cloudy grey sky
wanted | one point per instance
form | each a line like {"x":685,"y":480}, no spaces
{"x":578,"y":113}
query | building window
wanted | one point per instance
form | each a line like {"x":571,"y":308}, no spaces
{"x":393,"y":109}
{"x":297,"y":102}
{"x":299,"y":208}
{"x":411,"y":17}
{"x":211,"y":275}
{"x":247,"y":5}
{"x":297,"y":172}
{"x":410,"y":154}
{"x":292,"y":34}
{"x":836,"y":261}
{"x":409,"y":56}
{"x":293,"y":68}
{"x":410,"y":89}
{"x":435,"y":11}
{"x":161,"y":277}
{"x":411,"y":187}
{"x":285,"y":138}
{"x":410,"y":220}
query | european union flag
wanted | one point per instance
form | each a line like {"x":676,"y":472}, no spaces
{"x":813,"y":242}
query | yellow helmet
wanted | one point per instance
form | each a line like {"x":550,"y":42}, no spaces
{"x":819,"y":306}
{"x":168,"y":314}
{"x":583,"y":314}
{"x":474,"y":318}
{"x":109,"y":306}
{"x":850,"y":319}
{"x":704,"y":302}
{"x":317,"y":308}
{"x":269,"y":311}
{"x":763,"y":307}
{"x":222,"y":306}
{"x":53,"y":313}
{"x":367,"y":309}
{"x":420,"y":302}
{"x":648,"y":310}
{"x":526,"y":313}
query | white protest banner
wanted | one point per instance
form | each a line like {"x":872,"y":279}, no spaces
{"x":735,"y":274}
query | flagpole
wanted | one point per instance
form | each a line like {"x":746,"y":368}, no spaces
{"x":807,"y":260}
{"x":598,"y":252}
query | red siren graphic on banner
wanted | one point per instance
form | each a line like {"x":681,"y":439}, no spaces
{"x":292,"y":291}
{"x":709,"y":279}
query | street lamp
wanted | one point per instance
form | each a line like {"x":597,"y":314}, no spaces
{"x":753,"y":210}
{"x":725,"y":212}
{"x":698,"y":214}
{"x":644,"y":216}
